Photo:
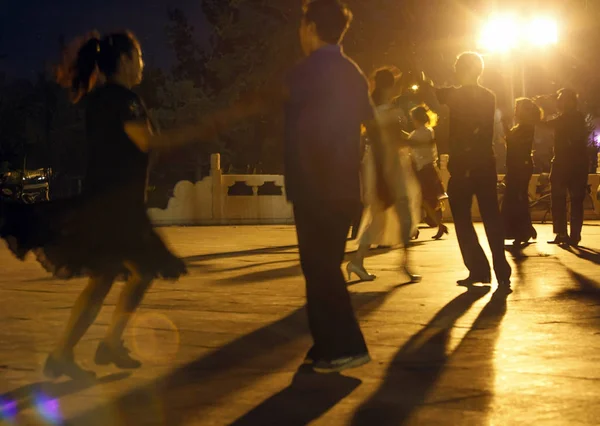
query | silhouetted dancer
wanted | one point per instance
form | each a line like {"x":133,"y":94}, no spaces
{"x":105,"y":233}
{"x":519,"y":168}
{"x":328,"y":102}
{"x":472,"y":168}
{"x":570,"y":167}
{"x":326,"y":98}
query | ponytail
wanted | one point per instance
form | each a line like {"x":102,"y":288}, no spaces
{"x":383,"y":79}
{"x":80,"y":66}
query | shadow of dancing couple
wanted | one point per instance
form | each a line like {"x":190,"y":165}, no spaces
{"x":411,"y":375}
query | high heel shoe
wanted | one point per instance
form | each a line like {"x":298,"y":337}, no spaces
{"x":415,"y":236}
{"x":443,"y":229}
{"x":359,"y":271}
{"x":414,"y":278}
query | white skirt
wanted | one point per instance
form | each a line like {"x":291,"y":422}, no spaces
{"x":380,"y":226}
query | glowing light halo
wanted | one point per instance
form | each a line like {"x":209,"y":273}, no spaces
{"x":502,"y":33}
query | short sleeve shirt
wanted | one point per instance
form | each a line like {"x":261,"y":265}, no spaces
{"x":423,"y":147}
{"x":329,"y":100}
{"x":115,"y":163}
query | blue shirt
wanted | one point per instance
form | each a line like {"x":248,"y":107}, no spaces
{"x":329,"y":100}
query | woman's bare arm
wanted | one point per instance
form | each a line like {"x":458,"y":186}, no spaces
{"x":248,"y":105}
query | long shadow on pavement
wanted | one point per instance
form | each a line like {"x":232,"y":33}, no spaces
{"x":585,"y":253}
{"x":242,"y":253}
{"x":588,"y":289}
{"x":470,"y":386}
{"x":289,"y":271}
{"x":263,"y":275}
{"x":308,"y":397}
{"x":192,"y":388}
{"x":416,"y":367}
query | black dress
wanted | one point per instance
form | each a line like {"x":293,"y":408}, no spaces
{"x":107,"y":226}
{"x":519,"y":167}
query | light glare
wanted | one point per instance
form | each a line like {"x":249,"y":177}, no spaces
{"x":500,"y":34}
{"x":503,"y":33}
{"x":543,"y":32}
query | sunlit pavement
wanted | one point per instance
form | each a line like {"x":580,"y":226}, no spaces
{"x":224,"y":344}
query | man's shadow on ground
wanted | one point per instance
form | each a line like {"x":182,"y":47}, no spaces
{"x":416,"y":367}
{"x":585,"y":253}
{"x":587,"y":288}
{"x":187,"y":391}
{"x":290,"y":269}
{"x":308,"y":397}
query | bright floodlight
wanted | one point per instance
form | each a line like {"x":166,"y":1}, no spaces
{"x":500,"y":34}
{"x":542,"y":32}
{"x":503,"y":33}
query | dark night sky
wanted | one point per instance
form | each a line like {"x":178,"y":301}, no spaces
{"x":29,"y":29}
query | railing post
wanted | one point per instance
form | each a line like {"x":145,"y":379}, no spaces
{"x":216,"y":175}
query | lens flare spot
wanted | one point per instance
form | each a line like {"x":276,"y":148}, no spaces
{"x":155,"y":337}
{"x":48,"y":408}
{"x":8,"y":410}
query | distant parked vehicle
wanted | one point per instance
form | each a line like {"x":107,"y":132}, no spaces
{"x":26,"y":186}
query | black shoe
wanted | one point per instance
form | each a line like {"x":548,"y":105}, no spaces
{"x":560,"y":239}
{"x":311,"y":357}
{"x":472,"y":279}
{"x":340,"y":364}
{"x":443,"y":230}
{"x":519,"y":244}
{"x":57,"y":366}
{"x":503,"y":287}
{"x":118,"y":356}
{"x":574,"y":241}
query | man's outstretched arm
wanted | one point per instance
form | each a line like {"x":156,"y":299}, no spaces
{"x":251,"y":104}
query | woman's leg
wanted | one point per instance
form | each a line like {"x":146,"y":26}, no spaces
{"x":111,"y":349}
{"x":361,"y":252}
{"x":406,"y":225}
{"x":84,"y":313}
{"x":432,"y":189}
{"x":356,"y":265}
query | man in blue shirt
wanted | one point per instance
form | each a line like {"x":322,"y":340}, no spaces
{"x":328,"y":103}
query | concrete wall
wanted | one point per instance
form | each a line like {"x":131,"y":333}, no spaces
{"x":221,"y":199}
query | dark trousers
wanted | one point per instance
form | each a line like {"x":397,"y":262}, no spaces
{"x":461,"y":189}
{"x":574,"y":182}
{"x":515,"y":207}
{"x":322,"y":235}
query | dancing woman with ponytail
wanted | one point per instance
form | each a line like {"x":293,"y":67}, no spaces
{"x":105,"y":233}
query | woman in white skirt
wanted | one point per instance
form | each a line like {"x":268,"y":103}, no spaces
{"x":396,"y":224}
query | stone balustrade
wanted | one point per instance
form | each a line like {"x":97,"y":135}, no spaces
{"x":221,"y":199}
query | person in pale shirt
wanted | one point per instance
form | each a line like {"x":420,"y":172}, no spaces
{"x":424,"y":156}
